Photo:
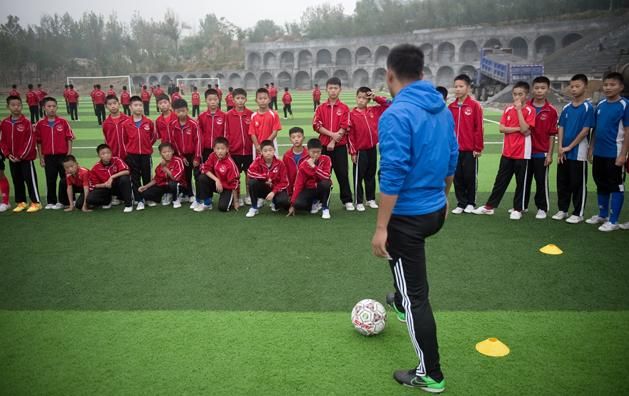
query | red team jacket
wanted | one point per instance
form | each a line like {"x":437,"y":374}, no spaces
{"x":308,"y":177}
{"x":211,"y":126}
{"x":125,"y":97}
{"x":14,"y":92}
{"x":111,"y":92}
{"x":185,"y":139}
{"x":316,"y":95}
{"x":32,"y":99}
{"x":176,"y":168}
{"x":72,"y":95}
{"x":273,"y":92}
{"x":196,"y":99}
{"x":80,"y":180}
{"x":229,"y":100}
{"x":276,"y":173}
{"x":138,"y":140}
{"x":516,"y":145}
{"x":53,"y":140}
{"x":145,"y":95}
{"x":545,"y":127}
{"x":41,"y":94}
{"x":225,"y":169}
{"x":237,"y":132}
{"x":287,"y":98}
{"x":98,"y":97}
{"x":112,"y":131}
{"x":18,"y":139}
{"x":157,"y":92}
{"x":162,"y":126}
{"x":292,"y":166}
{"x":332,"y":117}
{"x":174,"y":96}
{"x":100,"y":172}
{"x":468,"y":124}
{"x":363,"y":126}
{"x":220,"y":95}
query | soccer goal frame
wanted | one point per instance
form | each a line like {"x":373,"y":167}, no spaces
{"x":210,"y":80}
{"x":130,"y":87}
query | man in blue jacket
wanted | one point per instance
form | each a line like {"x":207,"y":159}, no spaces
{"x":418,"y":155}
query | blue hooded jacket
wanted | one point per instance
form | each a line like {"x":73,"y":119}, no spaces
{"x":418,"y":149}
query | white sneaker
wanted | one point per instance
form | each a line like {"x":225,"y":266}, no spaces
{"x":58,"y":206}
{"x":200,"y":207}
{"x":139,"y":206}
{"x":541,"y":215}
{"x":372,"y":204}
{"x":176,"y":204}
{"x":316,"y":207}
{"x":106,"y":206}
{"x":607,"y":227}
{"x":325,"y":214}
{"x":457,"y":210}
{"x":360,"y":207}
{"x":483,"y":210}
{"x":151,"y":204}
{"x":4,"y":207}
{"x":241,"y":202}
{"x":193,"y":205}
{"x":513,"y":210}
{"x":574,"y":219}
{"x":596,"y":219}
{"x":49,"y":206}
{"x":167,"y":199}
{"x":260,"y":203}
{"x":115,"y":201}
{"x":273,"y":208}
{"x":248,"y":201}
{"x":252,"y":212}
{"x":469,"y":209}
{"x":515,"y":215}
{"x":560,"y":215}
{"x":127,"y":209}
{"x":349,"y":207}
{"x":623,"y":226}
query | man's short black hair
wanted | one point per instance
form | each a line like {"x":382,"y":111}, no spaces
{"x":314,"y":143}
{"x":101,"y":147}
{"x":522,"y":84}
{"x":210,"y":91}
{"x":14,"y":86}
{"x":13,"y":97}
{"x":465,"y":78}
{"x":580,"y":77}
{"x":30,"y":86}
{"x":111,"y":97}
{"x":135,"y":98}
{"x":48,"y":99}
{"x":443,"y":91}
{"x":71,"y":86}
{"x":180,"y":104}
{"x":69,"y":158}
{"x":406,"y":61}
{"x":295,"y":130}
{"x":163,"y":146}
{"x":614,"y":76}
{"x":262,"y":91}
{"x":266,"y":143}
{"x":221,"y":140}
{"x":239,"y":91}
{"x":194,"y":88}
{"x":333,"y":81}
{"x":365,"y":90}
{"x":317,"y":85}
{"x":542,"y":80}
{"x":97,"y":86}
{"x":111,"y":86}
{"x":163,"y":97}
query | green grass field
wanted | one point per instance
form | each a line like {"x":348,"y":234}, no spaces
{"x":169,"y":301}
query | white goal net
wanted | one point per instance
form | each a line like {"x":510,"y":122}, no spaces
{"x":85,"y":84}
{"x":186,"y":84}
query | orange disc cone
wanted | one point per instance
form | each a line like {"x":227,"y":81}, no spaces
{"x":551,"y":249}
{"x":492,"y":347}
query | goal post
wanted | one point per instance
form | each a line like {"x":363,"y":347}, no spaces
{"x":186,"y":84}
{"x":86,"y":83}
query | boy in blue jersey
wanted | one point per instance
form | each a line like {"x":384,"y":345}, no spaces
{"x":610,"y":142}
{"x":575,"y":123}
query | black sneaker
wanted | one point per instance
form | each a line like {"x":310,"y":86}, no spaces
{"x":412,"y":380}
{"x":401,"y":315}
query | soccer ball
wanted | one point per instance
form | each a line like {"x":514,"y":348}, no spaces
{"x":369,"y":317}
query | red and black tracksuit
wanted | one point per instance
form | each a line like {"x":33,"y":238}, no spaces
{"x":120,"y":187}
{"x":186,"y":140}
{"x":18,"y":140}
{"x":312,"y":184}
{"x":266,"y":178}
{"x":138,"y":139}
{"x":52,"y":138}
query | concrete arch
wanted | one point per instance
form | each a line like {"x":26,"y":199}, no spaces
{"x":469,"y":70}
{"x":205,"y":75}
{"x":192,"y":76}
{"x":363,"y":56}
{"x":445,"y":75}
{"x":221,"y":78}
{"x":544,"y":45}
{"x":379,"y":78}
{"x":381,"y":55}
{"x":265,"y":78}
{"x":468,"y":52}
{"x":302,"y":80}
{"x":492,"y":43}
{"x":321,"y":77}
{"x":427,"y":50}
{"x":287,"y":60}
{"x":324,"y":58}
{"x":343,"y":76}
{"x":153,"y":80}
{"x":137,"y":81}
{"x":343,"y":57}
{"x":177,"y":77}
{"x":445,"y":52}
{"x":520,"y":47}
{"x":270,"y":60}
{"x":251,"y":82}
{"x":360,"y":78}
{"x":165,"y":80}
{"x":284,"y":79}
{"x":570,"y":38}
{"x":235,"y":80}
{"x":304,"y":59}
{"x":253,"y":61}
{"x":428,"y":74}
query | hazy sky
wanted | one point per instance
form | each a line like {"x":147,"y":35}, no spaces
{"x":243,"y":13}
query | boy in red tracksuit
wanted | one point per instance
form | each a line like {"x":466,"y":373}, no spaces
{"x":186,"y":141}
{"x":331,"y":121}
{"x":468,"y":128}
{"x":125,"y":100}
{"x":219,"y":174}
{"x":294,"y":156}
{"x":313,"y":183}
{"x":237,"y":122}
{"x":77,"y":182}
{"x":157,"y":93}
{"x":273,"y":96}
{"x":112,"y":128}
{"x":316,"y":96}
{"x":516,"y":123}
{"x":265,"y":123}
{"x":229,"y":99}
{"x":363,"y":139}
{"x":169,"y":177}
{"x":14,"y":91}
{"x":196,"y":102}
{"x":111,"y":91}
{"x":268,"y":180}
{"x":98,"y":98}
{"x":145,"y":95}
{"x":138,"y":133}
{"x":220,"y":94}
{"x":287,"y":100}
{"x":543,"y":144}
{"x":167,"y":115}
{"x":54,"y":142}
{"x":32,"y":100}
{"x":175,"y":95}
{"x":17,"y":142}
{"x":109,"y":177}
{"x":211,"y":123}
{"x":41,"y":94}
{"x":73,"y":102}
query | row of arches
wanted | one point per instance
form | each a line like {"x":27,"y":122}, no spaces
{"x":444,"y":52}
